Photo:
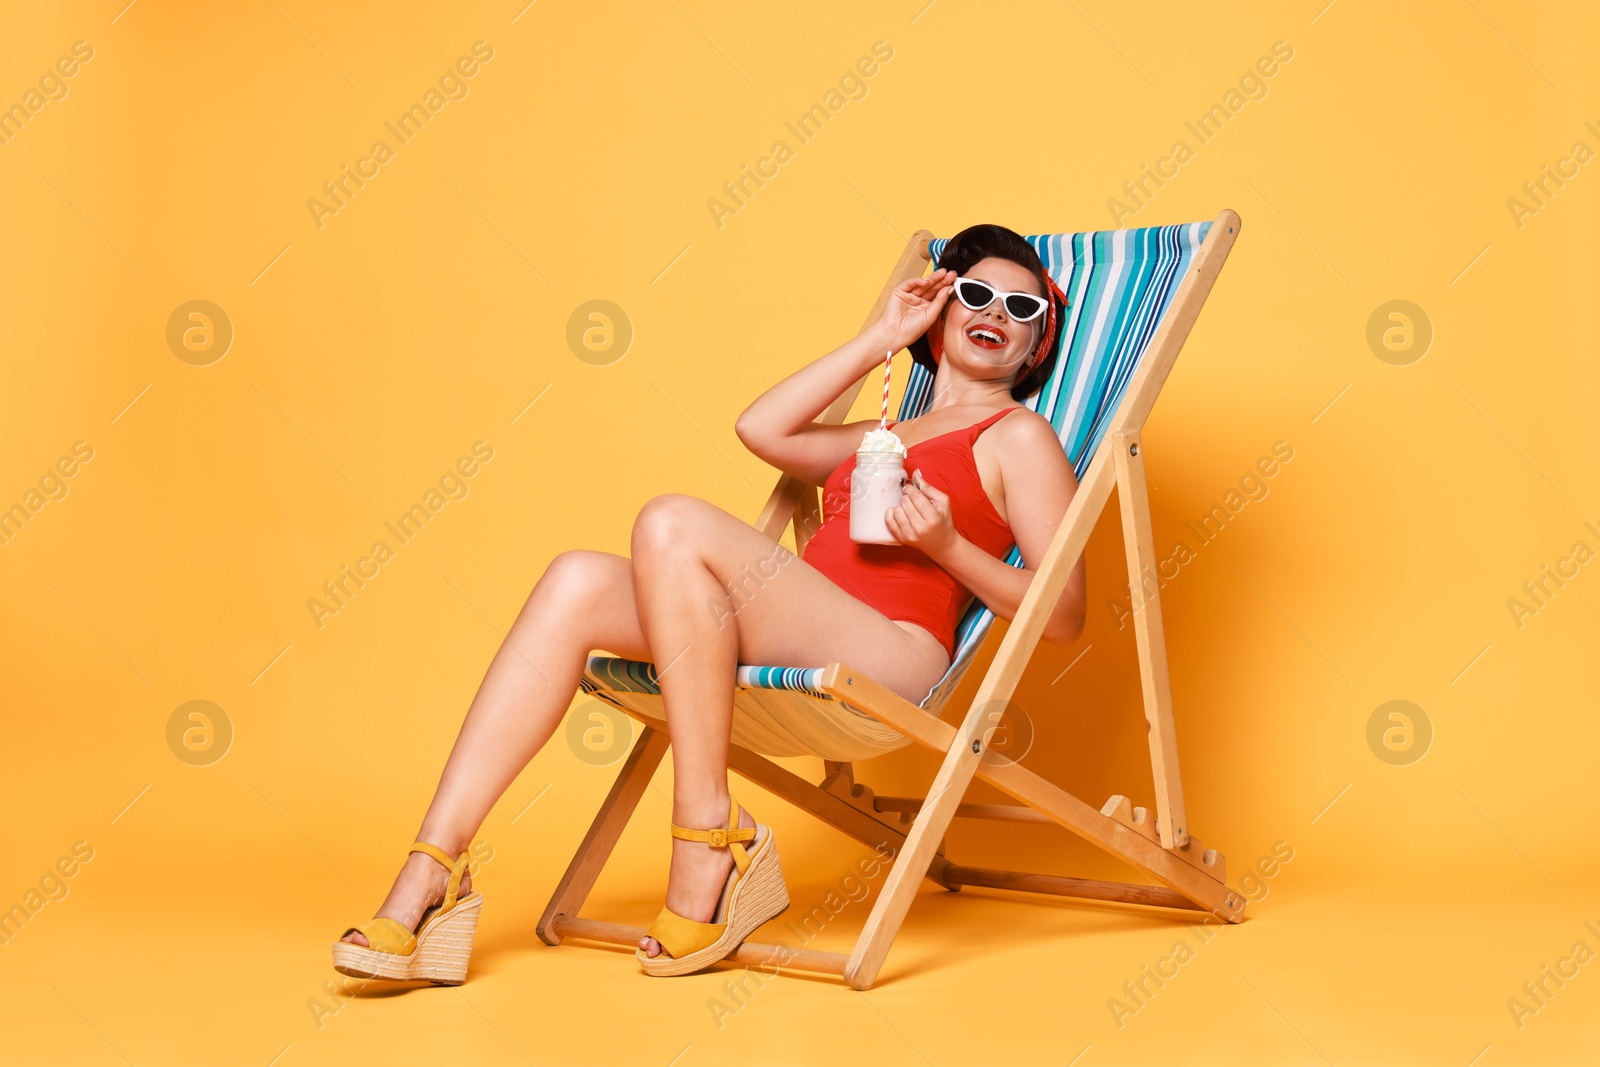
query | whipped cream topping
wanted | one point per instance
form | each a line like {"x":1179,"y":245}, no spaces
{"x":882,"y":442}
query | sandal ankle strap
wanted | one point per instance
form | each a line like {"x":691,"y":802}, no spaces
{"x":457,"y":868}
{"x":718,"y":837}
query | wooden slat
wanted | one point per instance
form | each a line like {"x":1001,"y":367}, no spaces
{"x":831,"y":809}
{"x":749,"y":952}
{"x":1144,"y":821}
{"x":840,"y":780}
{"x":607,"y":827}
{"x":1204,"y":859}
{"x":1150,"y":636}
{"x":996,"y":812}
{"x":1119,"y":808}
{"x":807,"y":518}
{"x":1056,"y":885}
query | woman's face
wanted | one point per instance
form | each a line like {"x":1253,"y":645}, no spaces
{"x":991,"y":340}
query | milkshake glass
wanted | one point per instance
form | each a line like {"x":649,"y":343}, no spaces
{"x":875,"y":486}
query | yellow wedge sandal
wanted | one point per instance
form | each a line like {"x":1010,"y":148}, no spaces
{"x":439,"y":949}
{"x":754,"y":893}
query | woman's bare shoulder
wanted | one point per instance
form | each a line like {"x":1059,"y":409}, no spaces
{"x":1027,"y":425}
{"x":1030,"y":441}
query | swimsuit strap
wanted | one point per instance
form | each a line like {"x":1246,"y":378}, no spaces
{"x":975,"y":429}
{"x":990,"y":421}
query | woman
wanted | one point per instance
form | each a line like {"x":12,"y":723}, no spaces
{"x":889,"y":610}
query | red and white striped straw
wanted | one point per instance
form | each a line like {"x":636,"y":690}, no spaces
{"x":888,"y":364}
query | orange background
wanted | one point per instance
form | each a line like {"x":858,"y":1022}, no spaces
{"x":371,"y":352}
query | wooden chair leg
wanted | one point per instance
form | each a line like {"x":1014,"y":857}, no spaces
{"x":1172,"y":821}
{"x":603,"y":833}
{"x":910,"y":867}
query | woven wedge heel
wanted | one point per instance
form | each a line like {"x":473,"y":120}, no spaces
{"x":439,"y":949}
{"x":754,"y":893}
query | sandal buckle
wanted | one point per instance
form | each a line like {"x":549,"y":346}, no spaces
{"x":717,"y":838}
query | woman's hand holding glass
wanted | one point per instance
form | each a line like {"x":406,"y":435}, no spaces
{"x":923,"y":520}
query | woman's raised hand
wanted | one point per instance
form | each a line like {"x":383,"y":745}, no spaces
{"x":913,"y":307}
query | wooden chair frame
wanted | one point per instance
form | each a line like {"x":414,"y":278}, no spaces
{"x":1158,"y":843}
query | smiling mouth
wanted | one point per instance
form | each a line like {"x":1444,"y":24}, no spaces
{"x":987,"y":337}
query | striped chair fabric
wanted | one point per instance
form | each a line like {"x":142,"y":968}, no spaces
{"x":1120,"y":284}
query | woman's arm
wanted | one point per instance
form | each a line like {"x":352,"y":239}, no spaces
{"x":779,"y":426}
{"x":1039,"y":484}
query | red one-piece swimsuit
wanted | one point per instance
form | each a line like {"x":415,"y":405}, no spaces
{"x":901,"y":581}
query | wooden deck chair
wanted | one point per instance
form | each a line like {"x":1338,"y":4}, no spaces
{"x":1134,"y":294}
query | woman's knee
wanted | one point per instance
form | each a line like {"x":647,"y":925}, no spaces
{"x":574,"y":577}
{"x":667,"y":523}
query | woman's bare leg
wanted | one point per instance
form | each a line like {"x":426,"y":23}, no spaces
{"x":589,"y":600}
{"x":712,"y":592}
{"x":583,"y":601}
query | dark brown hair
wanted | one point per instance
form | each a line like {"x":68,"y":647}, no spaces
{"x":964,"y":251}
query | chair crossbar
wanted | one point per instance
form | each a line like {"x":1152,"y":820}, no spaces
{"x":995,"y":812}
